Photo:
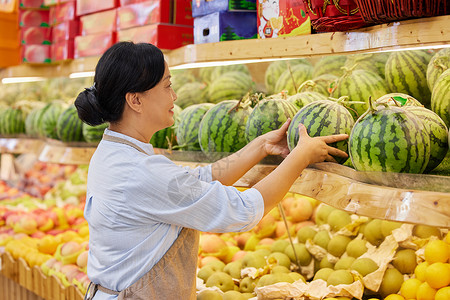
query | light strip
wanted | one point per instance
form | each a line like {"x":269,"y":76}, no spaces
{"x":225,"y":63}
{"x":21,"y":79}
{"x":82,"y":74}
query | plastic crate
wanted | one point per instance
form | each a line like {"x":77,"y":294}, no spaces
{"x":384,"y":11}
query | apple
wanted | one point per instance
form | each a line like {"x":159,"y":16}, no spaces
{"x":82,"y":259}
{"x":280,"y":230}
{"x":222,"y":280}
{"x":300,"y":209}
{"x":364,"y":266}
{"x":302,"y":224}
{"x":251,"y":243}
{"x":70,"y":271}
{"x":213,"y":244}
{"x":338,"y":219}
{"x":356,"y":248}
{"x":266,"y":227}
{"x":338,"y":245}
{"x":391,"y":283}
{"x":26,"y":224}
{"x":248,"y":284}
{"x":340,"y":277}
{"x":239,"y":255}
{"x":323,"y":274}
{"x":70,"y":248}
{"x":279,"y":258}
{"x":267,"y":242}
{"x":405,"y":261}
{"x":242,"y":238}
{"x":206,"y":260}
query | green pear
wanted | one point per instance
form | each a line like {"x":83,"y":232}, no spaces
{"x":233,"y":295}
{"x":303,"y":256}
{"x":356,"y":248}
{"x":325,"y":263}
{"x":205,"y":272}
{"x":279,"y":245}
{"x":364,"y":266}
{"x":263,"y":252}
{"x":280,"y":269}
{"x":391,"y":283}
{"x":338,"y":245}
{"x":234,"y":269}
{"x":322,"y":213}
{"x":217,"y":265}
{"x":338,"y":219}
{"x":344,"y":263}
{"x":305,"y":233}
{"x":270,"y":279}
{"x":247,"y":284}
{"x":297,"y":276}
{"x":209,"y":295}
{"x":372,"y":232}
{"x":340,"y":277}
{"x":323,"y":274}
{"x":279,"y":258}
{"x":388,"y":226}
{"x":322,"y":238}
{"x":405,"y":261}
{"x":425,"y":231}
{"x":222,"y":280}
{"x":253,"y":259}
{"x":248,"y":295}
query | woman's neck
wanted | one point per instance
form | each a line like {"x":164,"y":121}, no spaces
{"x":131,"y":131}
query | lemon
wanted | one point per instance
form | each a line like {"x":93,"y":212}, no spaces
{"x":425,"y":292}
{"x":420,"y":271}
{"x":443,"y":294}
{"x":438,"y":275}
{"x":447,"y":238}
{"x":437,"y":251}
{"x":409,"y":288}
{"x":394,"y":297}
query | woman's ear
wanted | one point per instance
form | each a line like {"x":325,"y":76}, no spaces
{"x":133,"y":101}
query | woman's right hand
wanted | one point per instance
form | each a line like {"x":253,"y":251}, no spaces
{"x":316,"y":149}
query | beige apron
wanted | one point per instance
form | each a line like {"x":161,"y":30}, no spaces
{"x":173,"y":277}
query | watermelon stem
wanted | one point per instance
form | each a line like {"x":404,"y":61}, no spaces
{"x":307,"y":84}
{"x":292,"y":76}
{"x":344,"y":101}
{"x":439,"y":62}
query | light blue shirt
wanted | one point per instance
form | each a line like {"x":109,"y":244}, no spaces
{"x":137,"y":204}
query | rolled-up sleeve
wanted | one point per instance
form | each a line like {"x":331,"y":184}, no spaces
{"x":175,"y":195}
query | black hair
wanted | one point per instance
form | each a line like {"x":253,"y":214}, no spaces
{"x":124,"y":68}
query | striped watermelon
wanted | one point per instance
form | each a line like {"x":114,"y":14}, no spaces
{"x":191,"y":93}
{"x":166,"y":137}
{"x":187,"y":126}
{"x":269,"y":114}
{"x":389,"y":139}
{"x":330,"y":65}
{"x":30,"y":127}
{"x":275,"y":69}
{"x":398,"y":99}
{"x":50,"y":119}
{"x":230,"y":86}
{"x":303,"y":98}
{"x":438,"y":134}
{"x":359,"y":86}
{"x":93,"y":134}
{"x":440,"y":99}
{"x":374,"y":62}
{"x":321,"y":118}
{"x":205,"y":74}
{"x":298,"y":73}
{"x":406,"y":72}
{"x":38,"y":120}
{"x":13,"y":121}
{"x":69,"y":127}
{"x":222,"y":128}
{"x":178,"y":79}
{"x":437,"y":65}
{"x":325,"y":84}
{"x":220,"y":70}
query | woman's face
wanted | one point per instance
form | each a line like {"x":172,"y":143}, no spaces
{"x":158,"y":102}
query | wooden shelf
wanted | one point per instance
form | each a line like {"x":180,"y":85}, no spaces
{"x":425,"y":32}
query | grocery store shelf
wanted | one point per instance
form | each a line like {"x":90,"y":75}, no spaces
{"x":62,"y":154}
{"x":20,"y":145}
{"x":425,"y":32}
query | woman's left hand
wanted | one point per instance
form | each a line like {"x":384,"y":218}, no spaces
{"x":275,"y":141}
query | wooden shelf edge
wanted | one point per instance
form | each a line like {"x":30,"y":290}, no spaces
{"x":380,"y":202}
{"x":424,"y":32}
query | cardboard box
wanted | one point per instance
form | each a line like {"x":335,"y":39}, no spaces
{"x":206,"y":7}
{"x":164,"y":36}
{"x":94,"y":44}
{"x":63,"y":12}
{"x":85,"y":7}
{"x":9,"y":39}
{"x":63,"y":50}
{"x":31,"y":18}
{"x":182,"y":12}
{"x":32,"y":4}
{"x":144,"y":13}
{"x":101,"y":22}
{"x":224,"y":26}
{"x":36,"y":35}
{"x":36,"y":53}
{"x":283,"y":18}
{"x":66,"y":30}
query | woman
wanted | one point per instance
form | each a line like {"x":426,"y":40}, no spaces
{"x":145,"y":212}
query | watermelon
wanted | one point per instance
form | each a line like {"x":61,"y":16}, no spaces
{"x":438,"y":134}
{"x":298,"y":73}
{"x":205,"y":74}
{"x":13,"y":121}
{"x":220,"y":70}
{"x":38,"y":120}
{"x":406,"y":73}
{"x":93,"y":134}
{"x":191,"y":93}
{"x":440,"y":99}
{"x":330,"y":65}
{"x":374,"y":62}
{"x":179,"y":79}
{"x":322,"y":118}
{"x":398,"y":99}
{"x":69,"y":127}
{"x":325,"y":83}
{"x":187,"y":126}
{"x":165,"y":138}
{"x":230,"y":86}
{"x":222,"y":128}
{"x":304,"y":98}
{"x":389,"y":139}
{"x":437,"y":65}
{"x":269,"y":114}
{"x":50,"y":119}
{"x":30,"y":127}
{"x":359,"y":86}
{"x":275,"y":69}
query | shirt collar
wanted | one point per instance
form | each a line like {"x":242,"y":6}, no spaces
{"x":147,"y":147}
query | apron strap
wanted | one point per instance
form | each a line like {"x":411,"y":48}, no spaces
{"x":115,"y":139}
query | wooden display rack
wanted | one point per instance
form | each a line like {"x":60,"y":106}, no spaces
{"x":18,"y":281}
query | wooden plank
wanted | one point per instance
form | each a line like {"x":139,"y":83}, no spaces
{"x":20,"y":145}
{"x":66,"y":155}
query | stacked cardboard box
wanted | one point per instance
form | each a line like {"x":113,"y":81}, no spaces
{"x":65,"y":27}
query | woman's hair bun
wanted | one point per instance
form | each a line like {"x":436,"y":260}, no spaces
{"x":88,"y":107}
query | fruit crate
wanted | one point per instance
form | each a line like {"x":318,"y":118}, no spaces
{"x":17,"y":280}
{"x":384,"y":11}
